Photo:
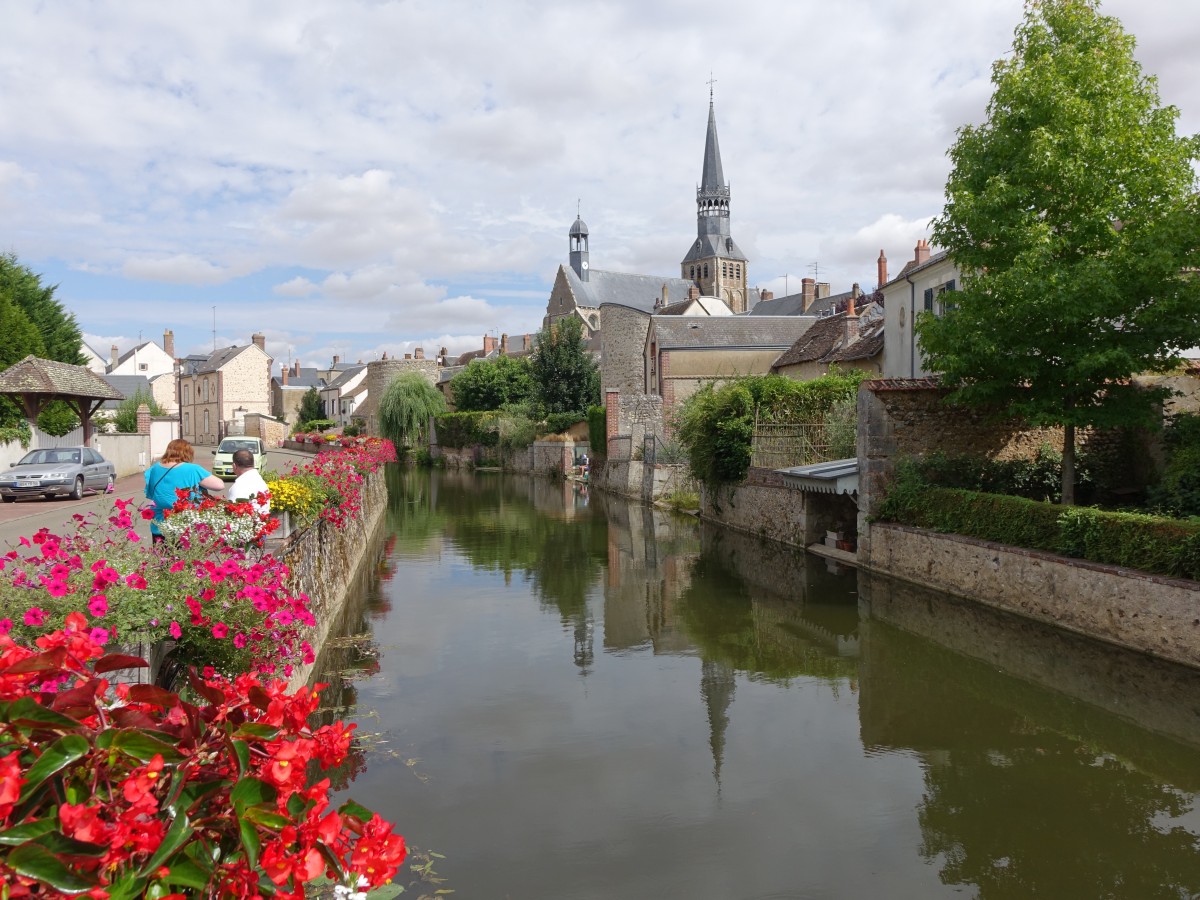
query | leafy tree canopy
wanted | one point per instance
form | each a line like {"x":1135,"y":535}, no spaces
{"x":488,"y":384}
{"x":310,"y":406}
{"x":60,"y":335}
{"x":565,"y":377}
{"x":125,"y":417}
{"x":1072,"y":214}
{"x":405,"y":408}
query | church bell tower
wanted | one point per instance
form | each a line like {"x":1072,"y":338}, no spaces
{"x":714,"y":263}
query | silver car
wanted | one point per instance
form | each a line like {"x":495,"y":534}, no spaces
{"x":57,"y":471}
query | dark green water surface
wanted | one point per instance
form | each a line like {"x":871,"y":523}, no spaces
{"x":577,"y":697}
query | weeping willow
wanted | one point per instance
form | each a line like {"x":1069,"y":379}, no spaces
{"x":406,"y":407}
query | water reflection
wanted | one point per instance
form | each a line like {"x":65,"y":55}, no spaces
{"x":606,"y":700}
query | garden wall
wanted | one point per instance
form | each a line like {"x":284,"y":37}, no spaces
{"x":764,"y":505}
{"x":324,"y":561}
{"x":1147,"y":613}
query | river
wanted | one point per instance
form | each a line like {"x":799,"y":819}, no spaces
{"x":573,"y":697}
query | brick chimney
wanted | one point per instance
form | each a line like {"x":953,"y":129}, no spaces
{"x":822,"y":289}
{"x":143,"y":419}
{"x":408,"y":356}
{"x":851,"y":317}
{"x":418,"y":353}
{"x":808,"y":289}
{"x":693,"y":293}
{"x":296,"y":369}
{"x":921,"y":253}
{"x":489,"y":344}
{"x":442,"y":354}
{"x":766,"y":295}
{"x":260,"y":341}
{"x":336,"y":360}
{"x":504,"y":345}
{"x":283,"y":376}
{"x":384,"y":354}
{"x":115,"y":353}
{"x":528,"y":342}
{"x":881,"y":270}
{"x":169,"y":343}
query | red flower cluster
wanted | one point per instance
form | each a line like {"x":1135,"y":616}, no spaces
{"x":344,"y":470}
{"x":134,"y":792}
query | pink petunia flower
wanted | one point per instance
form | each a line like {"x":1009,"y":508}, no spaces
{"x":176,"y":631}
{"x":99,"y":635}
{"x":6,"y":626}
{"x":98,"y":605}
{"x":35,"y":616}
{"x":220,"y":630}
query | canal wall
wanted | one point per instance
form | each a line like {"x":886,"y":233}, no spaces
{"x":766,"y":506}
{"x":1148,"y":613}
{"x":324,"y":562}
{"x":1131,"y":685}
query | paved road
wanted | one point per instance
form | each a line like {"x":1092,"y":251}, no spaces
{"x":25,"y":517}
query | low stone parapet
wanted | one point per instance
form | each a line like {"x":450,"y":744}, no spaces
{"x":1148,"y":613}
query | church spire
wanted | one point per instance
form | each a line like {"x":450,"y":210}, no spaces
{"x":712,"y":181}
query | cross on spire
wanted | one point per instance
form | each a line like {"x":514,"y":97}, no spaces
{"x":711,"y":81}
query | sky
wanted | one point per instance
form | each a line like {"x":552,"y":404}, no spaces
{"x":355,"y":177}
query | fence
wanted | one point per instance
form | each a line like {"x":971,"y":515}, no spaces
{"x":70,"y":439}
{"x":796,"y":444}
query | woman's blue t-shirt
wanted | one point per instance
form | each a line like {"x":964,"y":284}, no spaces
{"x":162,"y":482}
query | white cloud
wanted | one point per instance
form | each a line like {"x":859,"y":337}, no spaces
{"x":182,"y":268}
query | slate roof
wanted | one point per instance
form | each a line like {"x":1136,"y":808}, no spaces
{"x":708,"y":245}
{"x":729,"y":332}
{"x":306,"y":379}
{"x":218,"y":359}
{"x":624,"y":289}
{"x":128,"y":385}
{"x":793,"y":305}
{"x":46,"y":376}
{"x":345,"y":376}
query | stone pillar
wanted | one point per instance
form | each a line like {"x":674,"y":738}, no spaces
{"x":143,"y":419}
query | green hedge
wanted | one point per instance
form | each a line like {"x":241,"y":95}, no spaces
{"x":1132,"y":540}
{"x":597,"y":417}
{"x":466,"y":429}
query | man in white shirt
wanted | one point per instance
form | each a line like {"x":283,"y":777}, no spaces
{"x":247,"y":483}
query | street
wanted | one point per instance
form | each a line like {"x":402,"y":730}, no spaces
{"x":25,"y":517}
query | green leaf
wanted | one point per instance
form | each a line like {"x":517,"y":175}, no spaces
{"x":250,"y":840}
{"x":27,"y":714}
{"x":26,"y":831}
{"x":34,"y":861}
{"x":297,"y":805}
{"x":185,"y":873}
{"x":267,"y":818}
{"x":242,"y":750}
{"x":251,"y":792}
{"x":258,"y":730}
{"x":175,"y":838}
{"x":259,"y":698}
{"x":61,"y":845}
{"x":332,"y":860}
{"x":194,"y":791}
{"x":350,"y":808}
{"x":144,"y":747}
{"x":114,"y":661}
{"x":54,"y":759}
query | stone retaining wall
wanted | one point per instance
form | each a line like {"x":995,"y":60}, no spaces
{"x":1148,"y":613}
{"x":324,"y":562}
{"x":765,"y":506}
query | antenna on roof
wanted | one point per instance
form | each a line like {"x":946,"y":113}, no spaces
{"x":816,"y":270}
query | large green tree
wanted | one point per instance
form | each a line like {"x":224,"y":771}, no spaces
{"x":487,"y":384}
{"x":565,"y":377}
{"x":1072,"y":214}
{"x":60,"y":335}
{"x":408,"y":403}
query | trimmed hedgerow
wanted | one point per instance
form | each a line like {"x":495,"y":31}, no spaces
{"x":1149,"y":543}
{"x":466,"y":429}
{"x":597,"y":417}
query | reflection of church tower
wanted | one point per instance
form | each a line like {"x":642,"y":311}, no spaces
{"x":716,"y":687}
{"x":714,"y":262}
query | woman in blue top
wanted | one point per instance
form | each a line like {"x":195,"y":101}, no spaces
{"x":175,"y":471}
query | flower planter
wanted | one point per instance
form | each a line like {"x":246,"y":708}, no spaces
{"x":286,"y":524}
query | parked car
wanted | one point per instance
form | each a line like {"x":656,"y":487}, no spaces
{"x":56,"y":472}
{"x":223,"y":455}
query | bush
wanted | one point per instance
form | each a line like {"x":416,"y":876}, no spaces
{"x":1149,"y":543}
{"x":557,"y":423}
{"x":1178,"y":490}
{"x":467,"y":429}
{"x":597,"y":417}
{"x":314,"y":425}
{"x":1039,"y":478}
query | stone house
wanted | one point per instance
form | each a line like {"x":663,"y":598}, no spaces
{"x":216,"y":392}
{"x":683,"y":353}
{"x":920,"y":287}
{"x":289,"y":387}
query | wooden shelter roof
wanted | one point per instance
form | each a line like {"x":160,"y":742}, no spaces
{"x":49,"y":377}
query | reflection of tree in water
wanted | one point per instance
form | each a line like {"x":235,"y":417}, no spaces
{"x":412,"y":516}
{"x":1028,"y":792}
{"x":765,"y":637}
{"x":1038,"y":814}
